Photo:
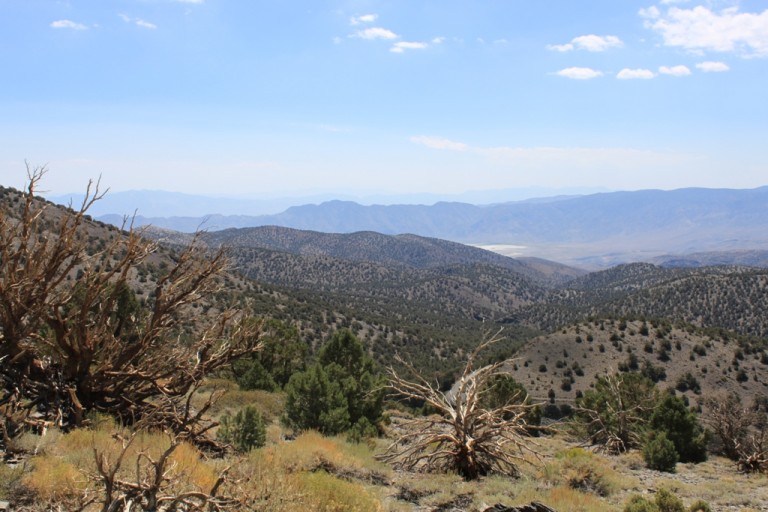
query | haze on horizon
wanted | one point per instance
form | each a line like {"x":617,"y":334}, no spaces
{"x":367,"y":97}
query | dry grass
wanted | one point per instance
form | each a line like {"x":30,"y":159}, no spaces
{"x":329,"y":474}
{"x":232,"y":399}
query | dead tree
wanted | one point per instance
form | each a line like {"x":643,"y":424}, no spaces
{"x":68,"y":342}
{"x":154,"y":483}
{"x":741,"y":430}
{"x":463,"y":435}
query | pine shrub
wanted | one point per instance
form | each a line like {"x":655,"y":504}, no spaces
{"x":244,"y":431}
{"x":668,"y":502}
{"x":659,"y":453}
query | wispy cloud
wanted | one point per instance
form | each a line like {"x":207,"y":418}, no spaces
{"x":579,"y":73}
{"x":401,"y":46}
{"x":675,"y":70}
{"x":189,"y":1}
{"x":138,"y":22}
{"x":590,"y":43}
{"x":68,"y":24}
{"x":546,"y":157}
{"x":651,"y":12}
{"x":635,"y":74}
{"x":712,"y":66}
{"x":700,"y":29}
{"x":365,"y":18}
{"x":439,"y":143}
{"x":438,"y":40}
{"x":375,"y":33}
{"x":145,"y":24}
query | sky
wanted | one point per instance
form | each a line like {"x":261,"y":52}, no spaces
{"x":280,"y":97}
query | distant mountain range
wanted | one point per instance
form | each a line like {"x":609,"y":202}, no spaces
{"x":595,"y":231}
{"x":431,"y":300}
{"x":159,"y":203}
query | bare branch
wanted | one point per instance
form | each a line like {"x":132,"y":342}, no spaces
{"x":463,"y":435}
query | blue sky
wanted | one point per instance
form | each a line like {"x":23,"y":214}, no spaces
{"x":438,"y":96}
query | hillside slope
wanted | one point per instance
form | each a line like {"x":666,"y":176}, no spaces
{"x":568,"y":361}
{"x":367,"y":246}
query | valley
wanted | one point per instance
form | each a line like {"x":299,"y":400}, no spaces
{"x":692,"y":324}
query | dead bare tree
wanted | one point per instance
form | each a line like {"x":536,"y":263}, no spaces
{"x":463,"y":435}
{"x":68,"y":342}
{"x":741,"y":430}
{"x":154,"y":485}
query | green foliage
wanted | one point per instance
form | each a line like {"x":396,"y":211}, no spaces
{"x":251,"y":374}
{"x":282,"y":354}
{"x":688,"y":382}
{"x":244,"y":431}
{"x":664,"y":501}
{"x":659,"y":453}
{"x":362,"y":430}
{"x":617,"y":409}
{"x":504,"y":390}
{"x":654,"y":373}
{"x":313,"y":401}
{"x":668,"y":502}
{"x":681,"y":428}
{"x":339,"y":391}
{"x":639,"y":504}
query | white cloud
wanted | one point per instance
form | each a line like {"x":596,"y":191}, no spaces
{"x":376,"y":33}
{"x":567,"y":47}
{"x":595,"y":43}
{"x":438,"y":40}
{"x":631,"y":74}
{"x":365,"y":18}
{"x":700,"y":29}
{"x":712,"y":67}
{"x":591,"y":43}
{"x":401,"y":46}
{"x":137,"y":21}
{"x":501,"y":41}
{"x":439,"y":143}
{"x":68,"y":24}
{"x":667,"y":2}
{"x":675,"y":70}
{"x":145,"y":24}
{"x":651,"y":12}
{"x":580,"y":73}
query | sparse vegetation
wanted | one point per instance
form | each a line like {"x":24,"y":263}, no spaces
{"x":84,"y":450}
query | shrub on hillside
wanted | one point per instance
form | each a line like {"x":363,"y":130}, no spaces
{"x":244,"y":431}
{"x":681,"y":427}
{"x":341,"y":389}
{"x":615,"y":413}
{"x":664,"y":501}
{"x":659,"y":453}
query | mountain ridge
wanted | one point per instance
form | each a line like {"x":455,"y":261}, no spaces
{"x":593,"y":231}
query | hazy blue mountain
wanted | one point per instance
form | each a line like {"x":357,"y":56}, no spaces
{"x":157,"y":203}
{"x":594,"y":230}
